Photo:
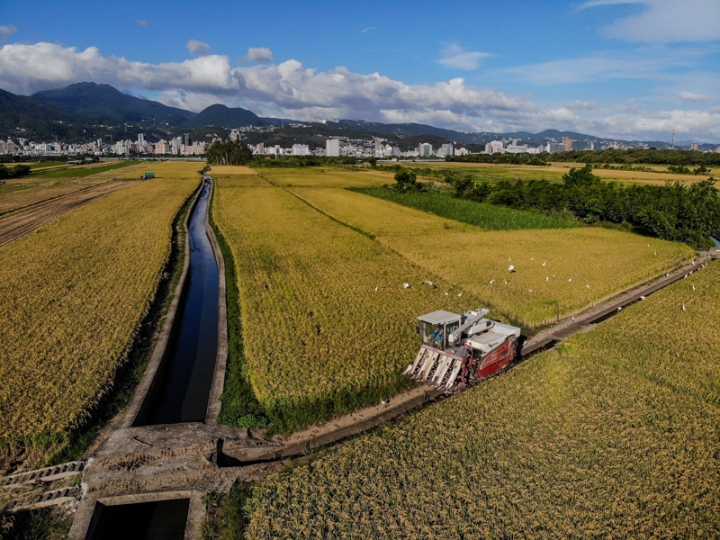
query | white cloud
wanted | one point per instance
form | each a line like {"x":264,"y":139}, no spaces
{"x":366,"y":30}
{"x":258,"y":54}
{"x":142,"y":22}
{"x":290,"y":90}
{"x":581,"y":105}
{"x":456,"y":57}
{"x":6,"y":31}
{"x":25,"y":69}
{"x":692,"y":97}
{"x":197,"y":47}
{"x":666,"y":21}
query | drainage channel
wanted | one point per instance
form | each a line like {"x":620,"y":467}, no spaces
{"x":182,"y":390}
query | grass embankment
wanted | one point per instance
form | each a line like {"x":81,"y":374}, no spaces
{"x":74,"y":294}
{"x":614,"y":435}
{"x":486,"y":216}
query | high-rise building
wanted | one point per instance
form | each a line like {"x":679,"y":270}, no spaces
{"x":694,"y":146}
{"x":300,"y":150}
{"x":424,"y":150}
{"x":186,"y":139}
{"x":235,"y":135}
{"x":141,"y":139}
{"x":332,"y":147}
{"x":568,"y":143}
{"x":447,"y":150}
{"x":494,"y":147}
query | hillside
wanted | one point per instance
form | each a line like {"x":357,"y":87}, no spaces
{"x":106,"y":101}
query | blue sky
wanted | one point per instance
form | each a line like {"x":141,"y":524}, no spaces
{"x":634,"y":69}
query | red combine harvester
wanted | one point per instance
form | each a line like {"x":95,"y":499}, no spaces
{"x":458,"y":350}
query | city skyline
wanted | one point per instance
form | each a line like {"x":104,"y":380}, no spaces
{"x":628,"y":70}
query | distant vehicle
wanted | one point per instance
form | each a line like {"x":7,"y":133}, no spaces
{"x":147,"y":176}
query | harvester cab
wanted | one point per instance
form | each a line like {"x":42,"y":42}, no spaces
{"x":458,"y":350}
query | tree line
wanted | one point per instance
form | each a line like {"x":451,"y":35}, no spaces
{"x":14,"y":172}
{"x":676,"y":212}
{"x":611,"y":155}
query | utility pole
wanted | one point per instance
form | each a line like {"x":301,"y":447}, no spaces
{"x":672,"y":146}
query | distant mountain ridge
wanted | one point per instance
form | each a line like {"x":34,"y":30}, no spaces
{"x":77,"y":110}
{"x":108,"y":102}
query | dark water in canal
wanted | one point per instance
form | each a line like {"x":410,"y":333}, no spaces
{"x":161,"y":520}
{"x":186,"y":374}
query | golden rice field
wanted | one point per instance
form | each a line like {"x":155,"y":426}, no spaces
{"x":557,"y":271}
{"x":72,"y":294}
{"x":325,"y":177}
{"x":615,"y":435}
{"x":555,"y":171}
{"x":323,"y":307}
{"x":30,"y":190}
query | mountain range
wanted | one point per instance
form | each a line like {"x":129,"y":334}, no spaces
{"x":85,"y":111}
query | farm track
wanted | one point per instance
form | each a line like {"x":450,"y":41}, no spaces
{"x":17,"y":224}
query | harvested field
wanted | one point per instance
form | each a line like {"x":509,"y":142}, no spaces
{"x":15,"y":225}
{"x":72,"y":296}
{"x":557,"y":271}
{"x":23,"y":192}
{"x":614,"y":435}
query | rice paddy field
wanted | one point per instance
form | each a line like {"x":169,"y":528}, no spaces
{"x":555,"y":172}
{"x":22,"y":192}
{"x":72,"y":294}
{"x":616,"y":434}
{"x":324,"y":308}
{"x":557,"y":271}
{"x":321,"y":273}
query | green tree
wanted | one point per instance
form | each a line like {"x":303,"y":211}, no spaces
{"x":228,"y":153}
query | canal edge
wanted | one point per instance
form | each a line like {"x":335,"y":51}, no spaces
{"x":218,"y":382}
{"x":149,"y":377}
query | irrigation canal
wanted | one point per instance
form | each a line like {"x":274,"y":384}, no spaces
{"x":183,"y":388}
{"x":181,"y":391}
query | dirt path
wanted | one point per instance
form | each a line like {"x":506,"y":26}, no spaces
{"x":15,"y":225}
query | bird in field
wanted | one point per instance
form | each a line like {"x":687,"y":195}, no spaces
{"x":693,"y":287}
{"x":530,"y":290}
{"x":693,"y":262}
{"x":667,"y":275}
{"x":406,"y":285}
{"x":544,"y":263}
{"x":572,"y":318}
{"x":511,"y":268}
{"x":642,"y":298}
{"x":685,"y":276}
{"x":656,"y":253}
{"x":683,"y":307}
{"x":620,"y":308}
{"x":376,"y":289}
{"x":492,"y":281}
{"x":446,"y":293}
{"x":588,"y":285}
{"x":547,"y":278}
{"x":430,"y":283}
{"x":459,"y":295}
{"x":569,"y":280}
{"x":532,"y":258}
{"x":383,"y":402}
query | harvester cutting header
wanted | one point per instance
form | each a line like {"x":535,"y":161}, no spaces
{"x":458,"y":350}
